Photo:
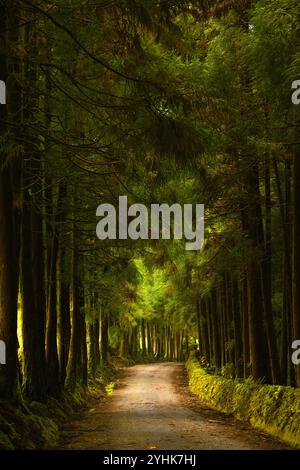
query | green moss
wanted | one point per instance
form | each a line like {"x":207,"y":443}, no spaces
{"x":5,"y":442}
{"x":49,"y":431}
{"x":34,"y":425}
{"x":270,"y":408}
{"x":21,"y":428}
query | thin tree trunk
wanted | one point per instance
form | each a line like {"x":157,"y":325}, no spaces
{"x":223,"y":324}
{"x":204,"y":330}
{"x":237,"y":328}
{"x":215,"y":330}
{"x":51,"y":335}
{"x":97,"y":342}
{"x":144,"y":350}
{"x":74,"y":360}
{"x":296,"y":257}
{"x":266,"y":278}
{"x":246,"y":345}
{"x":104,"y":337}
{"x":64,"y":325}
{"x":149,"y":339}
{"x":251,"y":218}
{"x":200,"y":345}
{"x":84,"y":356}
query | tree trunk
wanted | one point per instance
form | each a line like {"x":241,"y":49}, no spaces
{"x":251,"y":219}
{"x":200,"y":345}
{"x":296,"y":257}
{"x":237,"y":328}
{"x":51,"y":344}
{"x":104,"y":337}
{"x":266,"y":278}
{"x":246,"y":345}
{"x":10,"y":177}
{"x":204,"y":330}
{"x":8,"y":299}
{"x":215,"y":330}
{"x":64,"y":325}
{"x":258,"y":350}
{"x":223,"y":324}
{"x":94,"y":351}
{"x":144,"y":351}
{"x":149,"y":339}
{"x":74,"y":360}
{"x":84,"y":356}
{"x":228,"y":318}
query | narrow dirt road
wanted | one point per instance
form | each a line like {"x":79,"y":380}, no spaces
{"x":150,"y":410}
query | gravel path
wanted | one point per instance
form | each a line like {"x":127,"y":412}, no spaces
{"x":152,"y":408}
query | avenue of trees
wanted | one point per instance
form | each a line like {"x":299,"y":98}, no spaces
{"x":165,"y":102}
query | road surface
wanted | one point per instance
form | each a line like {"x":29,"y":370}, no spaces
{"x":152,"y":409}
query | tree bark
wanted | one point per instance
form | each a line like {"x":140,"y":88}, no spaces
{"x":251,"y":219}
{"x":104,"y":337}
{"x":149,"y":339}
{"x":54,"y":384}
{"x":200,"y":345}
{"x":237,"y":328}
{"x":143,"y":337}
{"x":204,"y":330}
{"x":266,"y":278}
{"x":296,"y":257}
{"x":246,"y":345}
{"x":74,"y":360}
{"x":64,"y":325}
{"x":9,"y":235}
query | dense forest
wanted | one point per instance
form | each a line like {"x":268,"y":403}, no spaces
{"x":183,"y":102}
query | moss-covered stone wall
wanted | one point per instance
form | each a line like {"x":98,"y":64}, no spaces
{"x":270,"y":408}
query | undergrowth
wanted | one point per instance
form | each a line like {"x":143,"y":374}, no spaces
{"x":35,"y":425}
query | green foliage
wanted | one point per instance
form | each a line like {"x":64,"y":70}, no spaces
{"x":271,"y":408}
